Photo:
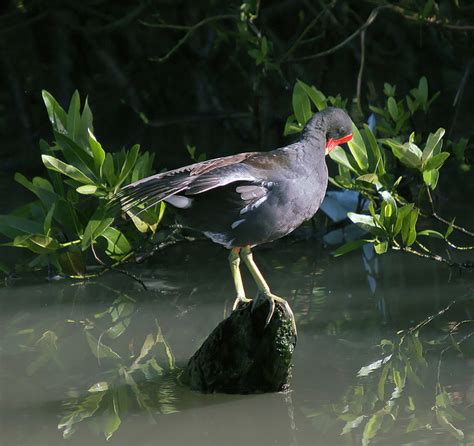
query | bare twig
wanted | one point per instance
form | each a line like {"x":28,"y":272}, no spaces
{"x":24,"y":23}
{"x":430,"y":20}
{"x":427,"y":254}
{"x":189,"y":32}
{"x":361,"y":70}
{"x":443,"y":220}
{"x":459,"y":95}
{"x":459,"y":248}
{"x":133,"y":14}
{"x":372,"y":16}
{"x":199,"y":117}
{"x":300,"y":38}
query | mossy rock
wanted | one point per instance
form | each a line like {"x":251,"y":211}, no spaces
{"x":241,"y":355}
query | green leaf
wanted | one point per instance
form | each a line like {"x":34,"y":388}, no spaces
{"x":85,"y":125}
{"x":423,"y":90}
{"x":147,"y":219}
{"x":99,"y":349}
{"x":392,"y":108}
{"x":450,"y":228}
{"x":436,"y":161}
{"x":108,"y":169}
{"x":87,"y":189}
{"x":376,"y":161}
{"x":12,"y":226}
{"x":301,"y":104}
{"x":388,"y":89}
{"x":292,"y":126}
{"x":76,"y":155}
{"x":430,"y":177}
{"x":371,"y":178}
{"x":434,"y":144}
{"x":402,"y":213}
{"x":408,"y":153}
{"x":37,"y":243}
{"x":341,"y":157}
{"x":264,"y":46}
{"x":459,"y":148}
{"x":57,"y":115}
{"x":47,"y":220}
{"x":381,"y":247}
{"x":316,"y":96}
{"x":350,"y":246}
{"x":40,"y":187}
{"x":409,"y":227}
{"x":431,"y":233}
{"x":358,"y":149}
{"x":99,"y":222}
{"x":127,"y":166}
{"x":412,"y":105}
{"x":117,"y":244}
{"x":367,"y":223}
{"x":74,"y":116}
{"x":98,"y":153}
{"x":66,"y":169}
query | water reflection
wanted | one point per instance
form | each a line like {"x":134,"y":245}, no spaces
{"x":102,"y":359}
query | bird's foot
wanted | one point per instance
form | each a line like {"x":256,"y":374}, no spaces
{"x":273,"y":299}
{"x":239,"y":301}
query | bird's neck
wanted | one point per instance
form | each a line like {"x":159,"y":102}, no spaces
{"x":312,"y":139}
{"x":315,"y":129}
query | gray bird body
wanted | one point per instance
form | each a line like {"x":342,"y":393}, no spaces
{"x":249,"y":198}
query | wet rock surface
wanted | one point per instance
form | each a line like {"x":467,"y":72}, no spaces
{"x":241,"y":355}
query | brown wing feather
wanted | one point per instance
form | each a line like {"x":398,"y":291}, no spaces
{"x":193,"y":179}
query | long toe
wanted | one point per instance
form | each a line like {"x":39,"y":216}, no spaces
{"x":287,"y":308}
{"x":273,"y":299}
{"x":239,"y":301}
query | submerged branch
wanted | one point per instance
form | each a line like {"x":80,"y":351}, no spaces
{"x":119,"y":270}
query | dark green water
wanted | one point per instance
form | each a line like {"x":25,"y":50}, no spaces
{"x":59,"y":338}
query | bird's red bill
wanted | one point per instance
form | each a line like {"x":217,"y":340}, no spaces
{"x":331,"y":143}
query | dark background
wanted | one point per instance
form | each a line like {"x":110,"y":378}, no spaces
{"x":210,"y":92}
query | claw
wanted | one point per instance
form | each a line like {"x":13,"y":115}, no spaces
{"x":273,"y":300}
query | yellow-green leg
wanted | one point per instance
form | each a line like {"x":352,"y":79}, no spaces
{"x":234,"y":262}
{"x":264,"y":289}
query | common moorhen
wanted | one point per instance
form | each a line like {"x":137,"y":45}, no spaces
{"x":243,"y":200}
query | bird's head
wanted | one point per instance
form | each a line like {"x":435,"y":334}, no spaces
{"x":338,"y":127}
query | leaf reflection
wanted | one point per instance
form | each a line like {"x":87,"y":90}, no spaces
{"x":405,"y":388}
{"x":130,"y":381}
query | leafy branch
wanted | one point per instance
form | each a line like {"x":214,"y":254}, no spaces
{"x":371,"y":164}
